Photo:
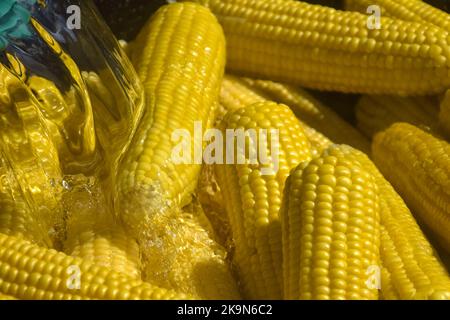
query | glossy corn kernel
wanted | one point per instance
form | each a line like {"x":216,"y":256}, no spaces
{"x":252,"y":192}
{"x":411,"y":269}
{"x":179,"y":56}
{"x":30,"y":272}
{"x":327,"y":49}
{"x":418,"y":166}
{"x":331,"y":229}
{"x":375,"y":113}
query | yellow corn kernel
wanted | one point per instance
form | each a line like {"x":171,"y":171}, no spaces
{"x":179,"y":56}
{"x":375,"y":113}
{"x":411,"y":269}
{"x":323,"y":48}
{"x":313,"y":113}
{"x":331,"y":229}
{"x":444,"y":114}
{"x":418,"y":166}
{"x":182,"y":254}
{"x":408,"y":10}
{"x":93,"y":235}
{"x":252,"y":192}
{"x":30,"y":272}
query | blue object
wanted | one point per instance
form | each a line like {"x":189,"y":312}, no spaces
{"x":14,"y":20}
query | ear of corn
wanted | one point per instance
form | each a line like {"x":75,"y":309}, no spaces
{"x":444,"y":114}
{"x":252,"y":198}
{"x":418,"y":166}
{"x":378,"y":112}
{"x":313,"y":113}
{"x":179,"y":56}
{"x":30,"y":272}
{"x":408,"y":10}
{"x":92,"y":233}
{"x":331,"y":230}
{"x":411,"y":269}
{"x":323,"y":48}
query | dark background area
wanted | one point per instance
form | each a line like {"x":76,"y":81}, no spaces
{"x":126,"y":17}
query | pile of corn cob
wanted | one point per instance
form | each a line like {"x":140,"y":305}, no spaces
{"x":337,"y":212}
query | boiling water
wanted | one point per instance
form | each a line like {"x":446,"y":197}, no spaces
{"x":69,"y":104}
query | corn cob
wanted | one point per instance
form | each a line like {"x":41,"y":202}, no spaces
{"x":30,"y":153}
{"x":378,"y":112}
{"x":92,"y":233}
{"x":444,"y":114}
{"x":408,"y":10}
{"x":409,"y":157}
{"x":312,"y":112}
{"x":181,"y":77}
{"x":323,"y":48}
{"x":183,"y":254}
{"x":30,"y":272}
{"x":331,"y":231}
{"x":252,"y":194}
{"x":410,"y":266}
